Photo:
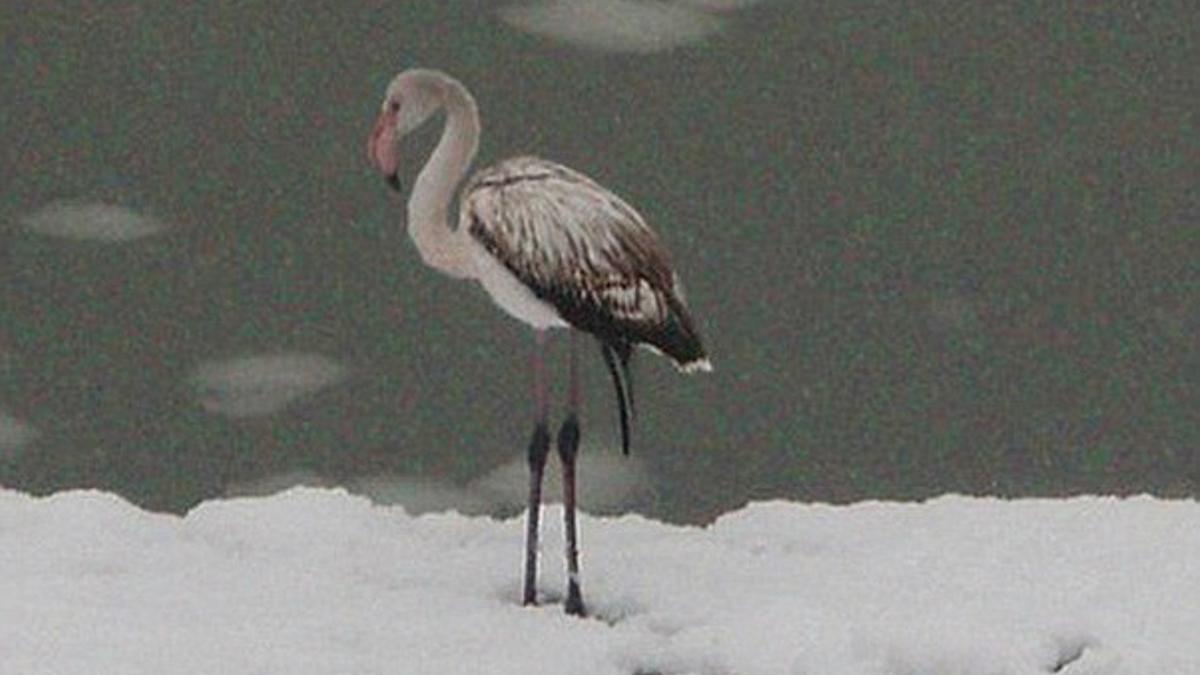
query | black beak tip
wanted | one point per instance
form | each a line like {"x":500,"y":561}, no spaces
{"x":393,"y":181}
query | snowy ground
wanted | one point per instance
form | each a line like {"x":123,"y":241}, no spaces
{"x":320,"y":581}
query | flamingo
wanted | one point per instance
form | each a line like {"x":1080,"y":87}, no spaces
{"x":553,"y":249}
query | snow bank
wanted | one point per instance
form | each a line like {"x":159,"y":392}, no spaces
{"x":319,"y":581}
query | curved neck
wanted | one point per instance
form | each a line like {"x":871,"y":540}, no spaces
{"x":429,"y":204}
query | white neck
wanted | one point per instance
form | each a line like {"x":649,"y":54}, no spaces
{"x":429,"y":204}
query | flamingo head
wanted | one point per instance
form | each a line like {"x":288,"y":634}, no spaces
{"x":411,"y":99}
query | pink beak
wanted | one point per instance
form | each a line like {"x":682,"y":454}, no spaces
{"x":381,"y":147}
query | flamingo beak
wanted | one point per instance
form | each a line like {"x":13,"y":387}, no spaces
{"x":381,"y":148}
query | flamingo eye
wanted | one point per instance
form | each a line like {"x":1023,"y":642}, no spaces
{"x":394,"y":106}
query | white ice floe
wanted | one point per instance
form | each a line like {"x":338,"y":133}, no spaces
{"x":275,"y":483}
{"x":719,"y":5}
{"x":632,"y":26}
{"x":91,"y":221}
{"x":320,"y":581}
{"x":415,"y":494}
{"x":952,"y":312}
{"x":420,"y":495}
{"x":607,"y":482}
{"x":14,"y":434}
{"x":254,"y":386}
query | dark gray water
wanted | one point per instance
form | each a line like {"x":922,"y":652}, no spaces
{"x":952,"y":249}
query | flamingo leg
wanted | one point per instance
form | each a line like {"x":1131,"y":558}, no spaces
{"x":568,"y":449}
{"x":539,"y":448}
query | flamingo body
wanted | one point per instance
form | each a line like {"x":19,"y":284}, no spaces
{"x":553,"y":248}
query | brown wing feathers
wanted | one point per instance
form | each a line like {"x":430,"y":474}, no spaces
{"x":583,"y":250}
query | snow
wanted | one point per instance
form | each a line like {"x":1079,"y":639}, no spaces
{"x":261,"y":385}
{"x":316,"y":580}
{"x":94,"y":221}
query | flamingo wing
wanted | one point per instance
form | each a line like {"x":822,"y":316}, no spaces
{"x":582,"y":249}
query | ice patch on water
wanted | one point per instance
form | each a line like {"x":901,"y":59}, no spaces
{"x":613,"y":25}
{"x":14,"y":434}
{"x":254,"y":386}
{"x":93,"y":221}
